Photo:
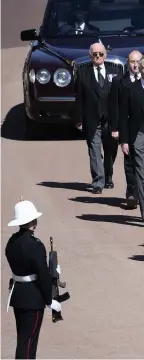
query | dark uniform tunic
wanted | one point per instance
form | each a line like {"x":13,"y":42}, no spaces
{"x":26,"y":255}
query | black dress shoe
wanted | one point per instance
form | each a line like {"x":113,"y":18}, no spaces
{"x":97,"y":190}
{"x":90,"y":188}
{"x":131,"y":202}
{"x":109,"y":184}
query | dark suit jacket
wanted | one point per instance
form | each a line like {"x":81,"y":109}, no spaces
{"x":115,"y":98}
{"x":88,"y":98}
{"x":132,"y":112}
{"x":70,"y":28}
{"x":26,"y":255}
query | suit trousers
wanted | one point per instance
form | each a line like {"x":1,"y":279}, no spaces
{"x":102,"y":172}
{"x":137,"y":152}
{"x":130,"y":176}
{"x":28,"y":325}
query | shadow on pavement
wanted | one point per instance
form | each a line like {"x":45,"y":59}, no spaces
{"x":110,"y":201}
{"x":14,"y":127}
{"x":63,"y":185}
{"x":117,"y":219}
{"x":137,"y":257}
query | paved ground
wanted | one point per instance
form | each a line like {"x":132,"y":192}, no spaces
{"x":99,"y":242}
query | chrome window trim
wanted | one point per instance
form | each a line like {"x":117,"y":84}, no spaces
{"x":56,"y":99}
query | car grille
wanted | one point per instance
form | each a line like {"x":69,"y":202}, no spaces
{"x":114,"y":68}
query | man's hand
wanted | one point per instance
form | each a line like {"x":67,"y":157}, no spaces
{"x":125,"y":149}
{"x":55,"y":305}
{"x":58,"y":269}
{"x":79,"y":126}
{"x":115,"y":135}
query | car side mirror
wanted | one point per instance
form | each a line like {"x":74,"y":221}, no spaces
{"x":29,"y":35}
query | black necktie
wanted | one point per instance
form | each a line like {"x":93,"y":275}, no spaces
{"x":135,"y":77}
{"x":100,"y":77}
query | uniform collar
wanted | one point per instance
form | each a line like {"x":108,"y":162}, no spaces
{"x":25,"y":230}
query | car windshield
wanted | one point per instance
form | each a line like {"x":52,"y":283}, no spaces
{"x":87,"y":17}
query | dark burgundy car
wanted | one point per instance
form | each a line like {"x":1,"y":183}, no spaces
{"x":62,"y":43}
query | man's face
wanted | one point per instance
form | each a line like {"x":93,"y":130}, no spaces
{"x":80,"y":16}
{"x":133,"y":62}
{"x":33,"y":225}
{"x":142,"y":69}
{"x":98,"y":54}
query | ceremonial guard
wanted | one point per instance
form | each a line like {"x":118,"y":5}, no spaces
{"x":31,"y":283}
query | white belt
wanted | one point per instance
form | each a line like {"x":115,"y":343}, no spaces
{"x":27,"y":278}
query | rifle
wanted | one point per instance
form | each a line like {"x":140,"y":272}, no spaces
{"x":56,"y":283}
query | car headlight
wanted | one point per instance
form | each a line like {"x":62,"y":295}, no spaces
{"x":43,"y":76}
{"x":32,"y":76}
{"x":62,"y":77}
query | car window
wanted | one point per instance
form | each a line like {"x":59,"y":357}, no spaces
{"x":74,"y":17}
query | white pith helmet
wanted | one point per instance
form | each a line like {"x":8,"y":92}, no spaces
{"x":24,"y":212}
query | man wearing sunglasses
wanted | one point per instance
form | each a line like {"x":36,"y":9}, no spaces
{"x":92,"y":91}
{"x":116,"y":93}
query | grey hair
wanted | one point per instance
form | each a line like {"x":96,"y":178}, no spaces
{"x":141,"y":62}
{"x":91,"y":46}
{"x":90,"y":49}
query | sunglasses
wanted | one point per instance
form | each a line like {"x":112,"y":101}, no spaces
{"x":95,"y":54}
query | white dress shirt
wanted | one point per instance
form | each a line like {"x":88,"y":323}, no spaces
{"x":132,"y":76}
{"x":80,"y":27}
{"x":142,"y":82}
{"x":102,"y":71}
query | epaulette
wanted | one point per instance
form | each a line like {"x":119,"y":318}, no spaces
{"x":35,"y":238}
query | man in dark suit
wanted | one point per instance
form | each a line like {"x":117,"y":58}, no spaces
{"x":131,"y":128}
{"x":79,"y":24}
{"x":31,"y":283}
{"x":92,"y":91}
{"x":116,"y":92}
